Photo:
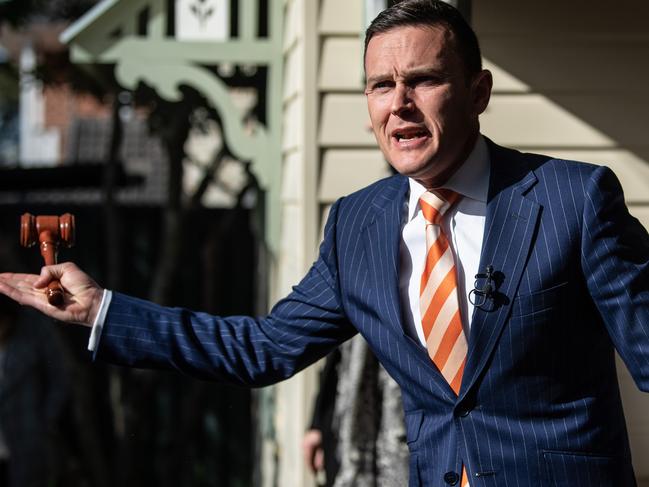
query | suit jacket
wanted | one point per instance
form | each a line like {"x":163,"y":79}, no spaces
{"x":539,"y":402}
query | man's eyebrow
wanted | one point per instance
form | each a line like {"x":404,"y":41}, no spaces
{"x":378,"y":77}
{"x":408,"y":73}
{"x":424,"y":70}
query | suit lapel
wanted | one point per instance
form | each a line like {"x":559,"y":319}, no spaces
{"x":381,"y":238}
{"x":510,"y":226}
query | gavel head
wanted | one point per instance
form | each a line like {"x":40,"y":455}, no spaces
{"x":59,"y":228}
{"x":50,"y":232}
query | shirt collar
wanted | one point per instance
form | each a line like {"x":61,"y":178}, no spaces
{"x":471,"y":180}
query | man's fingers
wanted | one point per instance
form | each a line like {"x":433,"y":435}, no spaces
{"x":82,"y":295}
{"x":17,"y":285}
{"x":12,"y":279}
{"x":22,"y":290}
{"x":312,"y":448}
{"x":49,"y":274}
{"x":318,"y":460}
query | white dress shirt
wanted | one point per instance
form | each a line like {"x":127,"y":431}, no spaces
{"x":464,"y":225}
{"x":98,"y":325}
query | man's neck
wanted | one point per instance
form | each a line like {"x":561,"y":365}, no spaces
{"x":441,"y":180}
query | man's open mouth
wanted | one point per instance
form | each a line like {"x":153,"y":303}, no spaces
{"x":410,"y":134}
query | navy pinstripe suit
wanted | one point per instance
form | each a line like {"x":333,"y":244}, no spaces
{"x":539,"y":403}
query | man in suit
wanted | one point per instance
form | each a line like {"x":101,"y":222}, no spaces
{"x":512,"y":385}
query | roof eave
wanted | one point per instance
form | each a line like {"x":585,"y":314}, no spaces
{"x":89,"y":18}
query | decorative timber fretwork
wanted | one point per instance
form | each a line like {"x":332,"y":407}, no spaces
{"x":167,"y":44}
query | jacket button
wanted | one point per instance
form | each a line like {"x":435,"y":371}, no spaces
{"x":464,"y":412}
{"x":451,"y":478}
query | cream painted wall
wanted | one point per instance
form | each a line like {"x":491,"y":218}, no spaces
{"x":350,"y":158}
{"x":283,"y":460}
{"x":571,"y":82}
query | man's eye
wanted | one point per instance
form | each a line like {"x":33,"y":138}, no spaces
{"x":425,"y":81}
{"x":382,"y":85}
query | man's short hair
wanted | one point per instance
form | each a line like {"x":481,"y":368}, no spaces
{"x":431,"y":13}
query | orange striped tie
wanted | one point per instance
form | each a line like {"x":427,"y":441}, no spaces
{"x":438,"y":297}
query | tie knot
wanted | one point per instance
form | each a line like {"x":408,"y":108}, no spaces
{"x":435,"y":203}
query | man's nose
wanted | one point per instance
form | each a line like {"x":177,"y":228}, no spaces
{"x":401,"y":100}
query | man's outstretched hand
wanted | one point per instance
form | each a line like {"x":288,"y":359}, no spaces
{"x":82,"y":295}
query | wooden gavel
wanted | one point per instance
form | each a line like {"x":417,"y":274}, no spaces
{"x":50,"y":232}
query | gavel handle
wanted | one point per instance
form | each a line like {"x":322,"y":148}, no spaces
{"x":49,"y":249}
{"x":54,"y":293}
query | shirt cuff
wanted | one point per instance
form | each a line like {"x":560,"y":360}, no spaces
{"x":98,"y":325}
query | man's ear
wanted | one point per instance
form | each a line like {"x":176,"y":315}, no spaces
{"x":481,"y":90}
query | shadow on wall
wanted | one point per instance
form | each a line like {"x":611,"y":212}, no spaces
{"x":591,"y":58}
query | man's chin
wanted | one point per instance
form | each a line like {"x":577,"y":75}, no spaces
{"x":429,"y":178}
{"x":411,"y":168}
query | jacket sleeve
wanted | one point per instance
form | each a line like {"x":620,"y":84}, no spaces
{"x":615,"y":261}
{"x":243,"y":350}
